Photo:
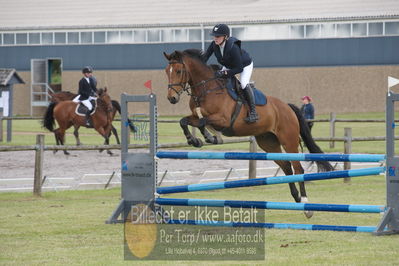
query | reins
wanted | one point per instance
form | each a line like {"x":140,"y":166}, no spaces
{"x":186,"y":87}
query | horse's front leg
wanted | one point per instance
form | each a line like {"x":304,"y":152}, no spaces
{"x":209,"y":138}
{"x":194,"y":122}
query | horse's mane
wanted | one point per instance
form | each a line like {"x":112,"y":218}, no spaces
{"x":191,"y":53}
{"x":196,"y":54}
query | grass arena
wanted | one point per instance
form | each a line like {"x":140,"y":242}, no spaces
{"x":68,"y":226}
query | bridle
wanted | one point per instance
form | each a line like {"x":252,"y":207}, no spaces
{"x":186,"y":87}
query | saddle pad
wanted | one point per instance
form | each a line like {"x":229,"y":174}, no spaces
{"x":81,"y":109}
{"x":260,"y":98}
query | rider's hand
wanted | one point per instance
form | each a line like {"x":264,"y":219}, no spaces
{"x":221,"y":74}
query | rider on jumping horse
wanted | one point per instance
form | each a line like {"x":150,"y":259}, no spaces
{"x":87,"y":91}
{"x":234,"y":61}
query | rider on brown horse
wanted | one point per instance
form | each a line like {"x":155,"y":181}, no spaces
{"x":234,"y":61}
{"x":87,"y":91}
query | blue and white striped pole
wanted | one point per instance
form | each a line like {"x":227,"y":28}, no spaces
{"x":273,"y":156}
{"x":273,"y":205}
{"x":271,"y":180}
{"x":313,"y":227}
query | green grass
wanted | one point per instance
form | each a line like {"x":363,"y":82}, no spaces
{"x":67,"y":228}
{"x":24,"y":132}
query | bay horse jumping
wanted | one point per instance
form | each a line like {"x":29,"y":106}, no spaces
{"x":64,"y":113}
{"x":69,"y":96}
{"x":280,"y":125}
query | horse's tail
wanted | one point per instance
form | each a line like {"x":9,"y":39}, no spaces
{"x":117,"y":106}
{"x":308,"y":139}
{"x":48,"y":118}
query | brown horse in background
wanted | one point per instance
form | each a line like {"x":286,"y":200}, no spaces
{"x":64,"y":113}
{"x":69,"y":96}
{"x":280,"y":125}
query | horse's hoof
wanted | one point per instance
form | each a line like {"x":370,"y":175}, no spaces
{"x":217,"y":140}
{"x":66,"y":153}
{"x":308,"y":214}
{"x":198,"y":143}
{"x":100,"y":150}
{"x":110,"y":152}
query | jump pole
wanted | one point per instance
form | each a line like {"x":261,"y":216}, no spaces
{"x":272,"y":205}
{"x":272,"y":156}
{"x":271,"y":180}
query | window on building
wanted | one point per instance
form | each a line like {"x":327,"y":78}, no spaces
{"x":153,"y":36}
{"x":344,"y":30}
{"x":167,"y":35}
{"x":113,"y":37}
{"x":392,"y":28}
{"x":327,"y":30}
{"x":194,"y":35}
{"x":297,"y":31}
{"x":60,"y":37}
{"x":207,"y":31}
{"x":282,"y":31}
{"x":73,"y":37}
{"x":180,"y":35}
{"x":47,"y":38}
{"x":259,"y":32}
{"x":238,"y":32}
{"x":312,"y":31}
{"x":375,"y":28}
{"x":21,"y":38}
{"x":86,"y":37}
{"x":1,"y":39}
{"x":126,"y":36}
{"x":359,"y":29}
{"x":34,"y":38}
{"x":99,"y":37}
{"x":139,"y":36}
{"x":9,"y":38}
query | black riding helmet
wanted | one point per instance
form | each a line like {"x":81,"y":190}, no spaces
{"x":87,"y":69}
{"x":220,"y":30}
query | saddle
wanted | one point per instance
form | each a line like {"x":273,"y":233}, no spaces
{"x":81,"y":109}
{"x":233,"y":86}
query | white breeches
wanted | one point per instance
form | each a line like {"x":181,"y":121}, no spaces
{"x":245,"y":75}
{"x":86,"y":103}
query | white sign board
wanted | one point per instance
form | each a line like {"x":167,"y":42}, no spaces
{"x":4,"y":102}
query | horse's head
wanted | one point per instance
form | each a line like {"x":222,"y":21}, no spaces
{"x":178,"y":76}
{"x":105,"y":99}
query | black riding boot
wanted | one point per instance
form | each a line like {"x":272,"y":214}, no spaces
{"x":249,"y":96}
{"x":88,"y":120}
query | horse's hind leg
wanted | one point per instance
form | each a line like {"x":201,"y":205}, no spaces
{"x":106,"y":134}
{"x":292,"y":147}
{"x":113,"y":130}
{"x":269,"y":143}
{"x":76,"y":134}
{"x":60,"y":138}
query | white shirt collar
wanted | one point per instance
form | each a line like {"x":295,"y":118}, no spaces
{"x":222,"y":47}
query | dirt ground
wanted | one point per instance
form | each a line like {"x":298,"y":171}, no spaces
{"x":20,"y":164}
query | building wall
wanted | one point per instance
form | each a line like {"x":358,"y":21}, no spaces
{"x":333,"y":89}
{"x":275,"y":53}
{"x":342,"y":75}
